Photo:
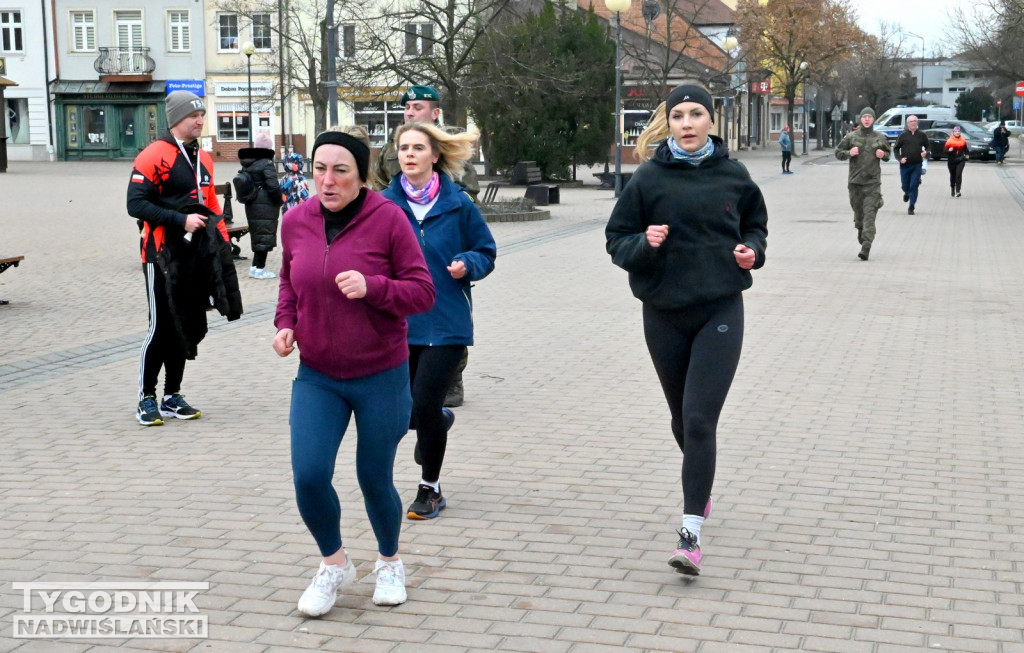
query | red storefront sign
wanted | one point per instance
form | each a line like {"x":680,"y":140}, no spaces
{"x":763,"y":87}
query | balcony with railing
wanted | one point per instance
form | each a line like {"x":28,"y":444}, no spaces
{"x":125,"y":64}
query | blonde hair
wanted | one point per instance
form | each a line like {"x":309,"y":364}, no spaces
{"x":655,"y":131}
{"x":452,"y":150}
{"x":359,"y":132}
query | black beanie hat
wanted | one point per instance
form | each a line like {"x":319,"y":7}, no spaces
{"x":690,"y":93}
{"x":359,"y":151}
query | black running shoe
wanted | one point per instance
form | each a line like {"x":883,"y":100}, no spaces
{"x":428,"y":504}
{"x":148,"y":413}
{"x":176,"y":406}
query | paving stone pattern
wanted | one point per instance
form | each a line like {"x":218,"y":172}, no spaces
{"x":869,"y":486}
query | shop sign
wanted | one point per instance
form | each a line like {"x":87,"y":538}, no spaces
{"x":241,"y":89}
{"x":197,"y":86}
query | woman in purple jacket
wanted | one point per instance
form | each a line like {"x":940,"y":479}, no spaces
{"x":351,"y":271}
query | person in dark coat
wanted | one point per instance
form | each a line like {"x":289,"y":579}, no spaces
{"x":263,"y":211}
{"x":1000,"y":141}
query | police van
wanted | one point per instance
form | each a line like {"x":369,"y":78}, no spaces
{"x":893,"y":122}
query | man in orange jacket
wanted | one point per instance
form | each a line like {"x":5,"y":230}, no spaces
{"x":171,"y":194}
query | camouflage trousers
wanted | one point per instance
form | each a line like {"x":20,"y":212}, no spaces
{"x":865,"y":201}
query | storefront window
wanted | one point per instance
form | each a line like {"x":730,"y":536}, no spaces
{"x":94,"y":126}
{"x":379,"y":119}
{"x":234,"y":123}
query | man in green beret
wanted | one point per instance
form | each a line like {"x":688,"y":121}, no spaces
{"x":423,"y":104}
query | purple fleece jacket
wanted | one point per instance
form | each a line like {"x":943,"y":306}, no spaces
{"x":350,"y":338}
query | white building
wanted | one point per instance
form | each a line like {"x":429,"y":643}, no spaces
{"x":24,"y":48}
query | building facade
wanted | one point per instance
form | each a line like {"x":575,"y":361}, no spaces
{"x":116,"y":61}
{"x":24,"y":37}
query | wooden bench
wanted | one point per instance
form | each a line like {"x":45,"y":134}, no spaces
{"x":9,"y":262}
{"x":235,"y":232}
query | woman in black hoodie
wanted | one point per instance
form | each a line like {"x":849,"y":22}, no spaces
{"x":688,"y":228}
{"x":263,"y":210}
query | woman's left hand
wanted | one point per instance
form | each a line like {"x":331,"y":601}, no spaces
{"x":352,"y":284}
{"x":457,"y":269}
{"x":745,"y":256}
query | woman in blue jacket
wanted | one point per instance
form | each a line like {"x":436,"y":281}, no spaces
{"x":459,"y":249}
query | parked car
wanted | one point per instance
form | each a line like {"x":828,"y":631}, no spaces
{"x":977,"y":143}
{"x":1016,"y":127}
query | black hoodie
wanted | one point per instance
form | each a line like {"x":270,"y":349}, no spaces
{"x":709,"y":208}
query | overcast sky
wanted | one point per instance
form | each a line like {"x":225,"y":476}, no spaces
{"x":928,"y":18}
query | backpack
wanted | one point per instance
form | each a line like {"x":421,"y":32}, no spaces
{"x":246,"y":188}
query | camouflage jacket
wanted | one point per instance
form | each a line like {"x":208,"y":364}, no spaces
{"x":866,"y":167}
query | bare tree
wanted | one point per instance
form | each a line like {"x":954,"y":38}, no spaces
{"x":403,"y":42}
{"x":988,"y":35}
{"x":874,"y":73}
{"x":673,"y":47}
{"x":300,"y":36}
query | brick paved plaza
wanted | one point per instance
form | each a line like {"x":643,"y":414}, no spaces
{"x":870,"y":470}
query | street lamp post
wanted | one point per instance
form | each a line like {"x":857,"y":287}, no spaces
{"x":248,"y":49}
{"x":729,"y":44}
{"x":618,"y":6}
{"x":803,"y":66}
{"x":920,"y":82}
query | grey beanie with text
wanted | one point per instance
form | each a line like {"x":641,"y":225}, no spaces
{"x":179,"y":104}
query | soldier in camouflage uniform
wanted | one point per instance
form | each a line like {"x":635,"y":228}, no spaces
{"x":422,"y":104}
{"x":866,"y":149}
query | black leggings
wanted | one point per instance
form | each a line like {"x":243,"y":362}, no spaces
{"x":956,"y":173}
{"x":786,"y":158}
{"x":259,"y":259}
{"x":431,"y":370}
{"x":695,"y":351}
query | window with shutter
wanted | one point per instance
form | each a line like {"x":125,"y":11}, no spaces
{"x":129,"y":29}
{"x":179,"y":38}
{"x":83,"y":31}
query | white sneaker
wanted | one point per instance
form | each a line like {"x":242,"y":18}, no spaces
{"x":261,"y":273}
{"x":319,"y":597}
{"x":390,"y":583}
{"x":252,"y":271}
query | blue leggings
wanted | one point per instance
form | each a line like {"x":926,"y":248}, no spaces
{"x":320,"y":412}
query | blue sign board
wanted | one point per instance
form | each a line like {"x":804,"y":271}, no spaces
{"x":1016,"y":104}
{"x":196,"y":86}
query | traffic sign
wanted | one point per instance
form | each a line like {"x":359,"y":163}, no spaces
{"x":1020,"y":88}
{"x":999,"y":102}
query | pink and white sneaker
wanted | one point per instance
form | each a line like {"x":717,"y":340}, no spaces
{"x":687,"y":556}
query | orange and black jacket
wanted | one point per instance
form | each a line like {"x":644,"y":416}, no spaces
{"x":163,"y":183}
{"x":956,"y":146}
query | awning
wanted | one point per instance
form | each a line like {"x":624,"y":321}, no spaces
{"x":6,"y":82}
{"x":71,"y":87}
